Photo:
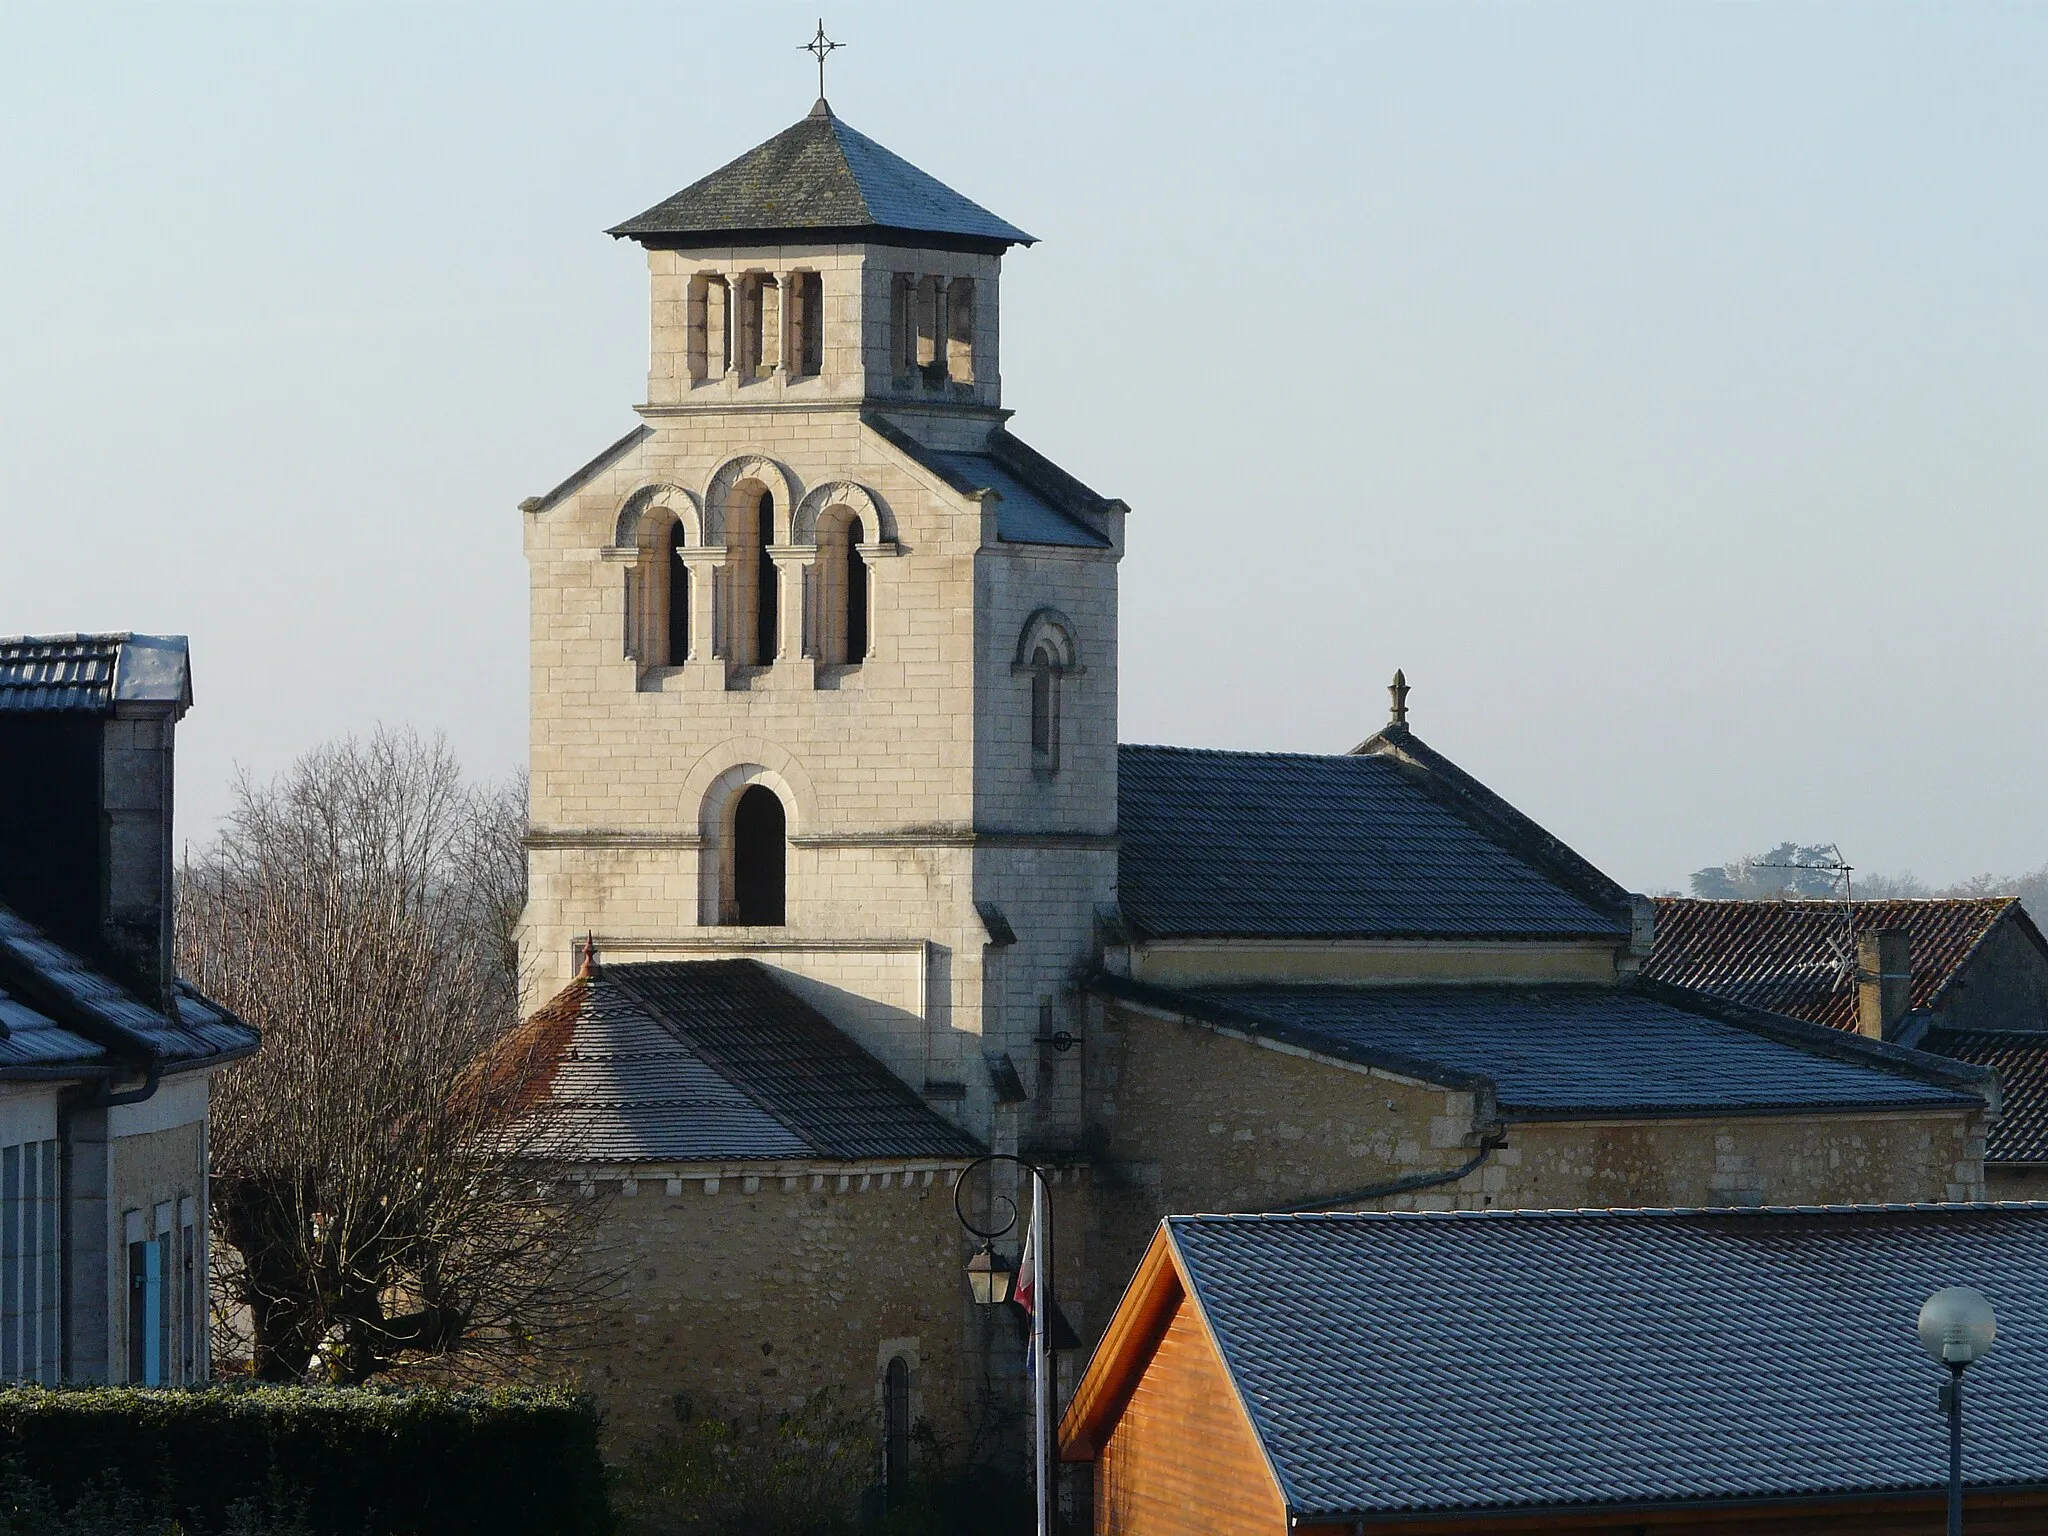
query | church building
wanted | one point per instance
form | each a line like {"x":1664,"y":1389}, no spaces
{"x":840,"y":877}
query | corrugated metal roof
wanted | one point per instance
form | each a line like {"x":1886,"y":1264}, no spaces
{"x":819,"y":174}
{"x":90,"y":674}
{"x":1290,"y":845}
{"x":1797,"y":957}
{"x":695,"y":1061}
{"x":1396,"y":1364}
{"x":1574,"y":1051}
{"x":2021,"y":1061}
{"x":40,"y":972}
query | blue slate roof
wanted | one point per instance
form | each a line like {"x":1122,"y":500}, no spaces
{"x":819,"y":176}
{"x":1024,"y":515}
{"x":1294,"y":845}
{"x":716,"y":1060}
{"x":1579,"y":1051}
{"x":33,"y":1045}
{"x":92,"y":674}
{"x":114,"y":1025}
{"x":1401,"y":1363}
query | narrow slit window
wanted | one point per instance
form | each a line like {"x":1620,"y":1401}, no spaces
{"x":1045,"y":712}
{"x":856,"y":593}
{"x":896,"y":1429}
{"x":678,"y":577}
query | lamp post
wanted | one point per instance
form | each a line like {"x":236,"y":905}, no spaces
{"x":993,"y":1282}
{"x":1957,"y":1328}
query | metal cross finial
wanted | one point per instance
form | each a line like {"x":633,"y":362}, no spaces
{"x":1398,"y":691}
{"x":819,"y":47}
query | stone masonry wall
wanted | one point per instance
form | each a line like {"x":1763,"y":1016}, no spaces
{"x":1186,"y":1118}
{"x":764,"y":1291}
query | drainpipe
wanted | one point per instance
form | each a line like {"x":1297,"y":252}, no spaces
{"x":71,"y":1102}
{"x":1401,"y":1186}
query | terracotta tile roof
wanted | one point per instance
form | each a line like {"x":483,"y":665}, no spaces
{"x":705,"y":1061}
{"x":1797,"y":957}
{"x":2021,"y":1061}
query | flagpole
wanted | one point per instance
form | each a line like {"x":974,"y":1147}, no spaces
{"x":1041,"y":1346}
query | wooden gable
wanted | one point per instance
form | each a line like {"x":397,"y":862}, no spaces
{"x":1158,"y":1414}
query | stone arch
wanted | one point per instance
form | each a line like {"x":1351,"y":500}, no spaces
{"x":776,"y":765}
{"x":873,"y":512}
{"x":738,"y":471}
{"x":1050,"y":628}
{"x":682,"y":504}
{"x":728,"y":863}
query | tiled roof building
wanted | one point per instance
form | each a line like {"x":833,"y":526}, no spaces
{"x":1965,"y":977}
{"x":105,"y":1052}
{"x":1563,"y":1370}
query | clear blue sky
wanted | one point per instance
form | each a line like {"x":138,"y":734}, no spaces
{"x":1663,"y":387}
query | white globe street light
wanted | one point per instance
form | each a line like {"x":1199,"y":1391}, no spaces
{"x":1957,"y":1329}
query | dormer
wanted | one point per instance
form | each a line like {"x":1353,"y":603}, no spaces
{"x":821,"y":267}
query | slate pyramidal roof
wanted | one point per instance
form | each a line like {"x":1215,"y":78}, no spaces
{"x":823,"y":181}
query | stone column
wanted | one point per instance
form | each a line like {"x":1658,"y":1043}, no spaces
{"x":941,"y":329}
{"x":792,"y":564}
{"x":703,"y":565}
{"x":775,"y":331}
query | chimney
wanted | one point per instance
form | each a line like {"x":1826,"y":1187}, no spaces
{"x":1884,"y":982}
{"x":87,"y":724}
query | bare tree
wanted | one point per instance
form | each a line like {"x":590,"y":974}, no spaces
{"x":379,"y":1198}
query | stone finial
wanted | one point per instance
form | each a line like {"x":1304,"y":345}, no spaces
{"x":1397,"y":690}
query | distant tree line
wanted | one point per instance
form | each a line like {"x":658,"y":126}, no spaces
{"x":1802,"y":871}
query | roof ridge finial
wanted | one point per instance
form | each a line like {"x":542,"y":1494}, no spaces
{"x":820,"y":47}
{"x":589,"y":965}
{"x":1398,"y":691}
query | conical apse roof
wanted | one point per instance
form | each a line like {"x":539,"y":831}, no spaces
{"x":819,"y":178}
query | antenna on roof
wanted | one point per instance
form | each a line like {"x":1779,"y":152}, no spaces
{"x":1840,"y":868}
{"x":1397,"y":690}
{"x":820,"y":47}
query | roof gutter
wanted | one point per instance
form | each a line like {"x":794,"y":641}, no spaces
{"x":1543,"y":1516}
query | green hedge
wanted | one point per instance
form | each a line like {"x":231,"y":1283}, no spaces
{"x":346,"y":1461}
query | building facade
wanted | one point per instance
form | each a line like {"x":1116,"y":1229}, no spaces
{"x":824,"y":686}
{"x":105,"y":1055}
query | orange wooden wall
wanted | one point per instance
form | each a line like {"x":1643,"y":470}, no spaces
{"x":1182,"y":1460}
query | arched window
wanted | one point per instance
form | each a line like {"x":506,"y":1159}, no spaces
{"x":759,"y":858}
{"x":751,"y":574}
{"x":896,"y":1429}
{"x":842,"y":589}
{"x":1045,"y":711}
{"x":960,"y":330}
{"x":678,"y":575}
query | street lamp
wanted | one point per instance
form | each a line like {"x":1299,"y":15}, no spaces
{"x":1957,"y":1328}
{"x":989,"y":1276}
{"x":993,"y":1282}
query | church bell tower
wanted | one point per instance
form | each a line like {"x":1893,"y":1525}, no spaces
{"x":824,"y":658}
